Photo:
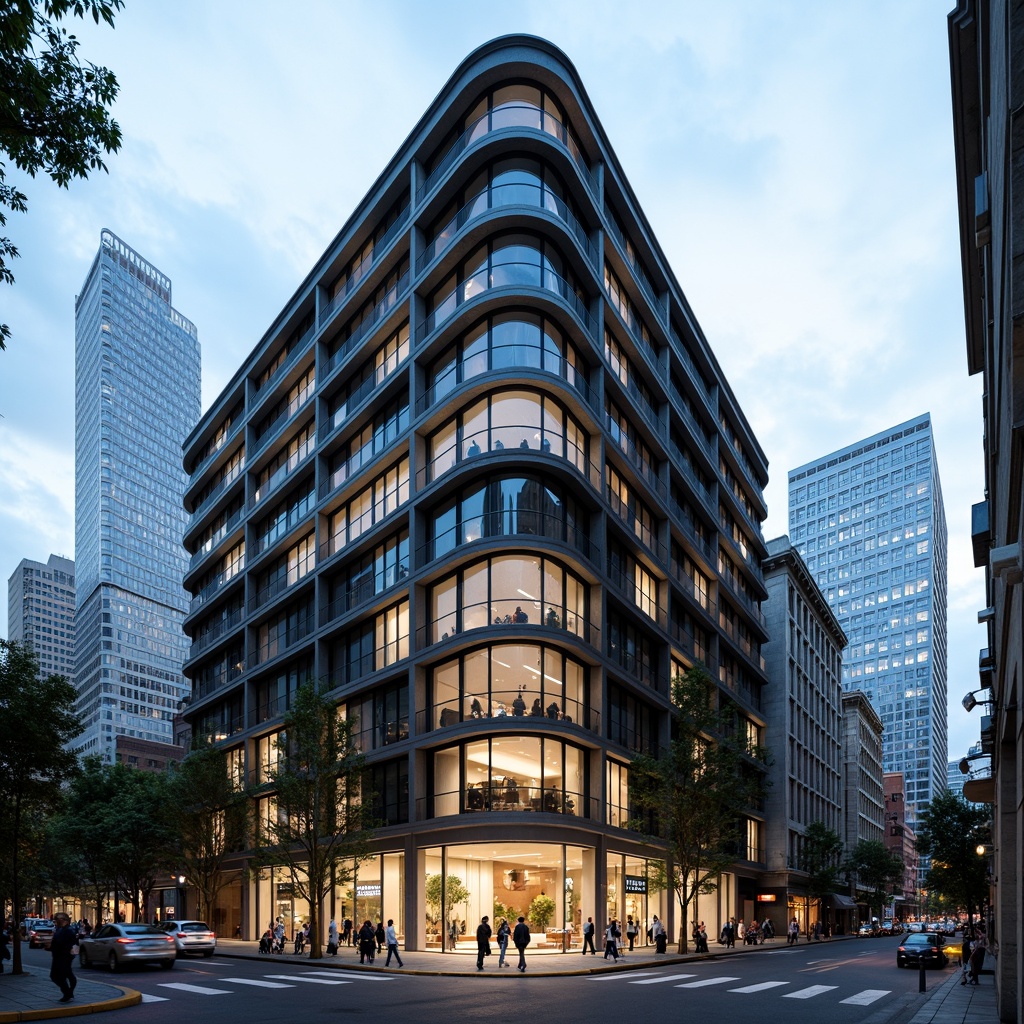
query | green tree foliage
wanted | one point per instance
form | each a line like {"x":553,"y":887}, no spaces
{"x":317,"y":825}
{"x":54,"y":110}
{"x":542,"y":909}
{"x":695,"y":795}
{"x":821,"y":856}
{"x":37,"y":721}
{"x":949,"y":831}
{"x":877,"y":871}
{"x":454,"y":894}
{"x":209,"y":818}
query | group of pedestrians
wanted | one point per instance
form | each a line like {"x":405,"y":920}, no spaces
{"x":520,"y":937}
{"x":369,"y":939}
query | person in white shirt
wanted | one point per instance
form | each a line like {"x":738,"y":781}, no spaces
{"x":391,"y":937}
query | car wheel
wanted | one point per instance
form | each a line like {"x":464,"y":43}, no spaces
{"x":83,"y":960}
{"x":166,"y":964}
{"x":208,"y":954}
{"x":112,"y":963}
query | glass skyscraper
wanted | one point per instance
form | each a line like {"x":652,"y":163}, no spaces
{"x":870,"y":523}
{"x":137,"y":396}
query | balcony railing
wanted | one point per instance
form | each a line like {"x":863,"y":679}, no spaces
{"x":504,"y":275}
{"x":392,"y":298}
{"x":680,"y":518}
{"x":218,"y":583}
{"x":622,"y":443}
{"x":222,"y":443}
{"x":499,"y":196}
{"x":356,"y":278}
{"x":358,"y":461}
{"x":382,"y":658}
{"x":294,"y":636}
{"x":210,"y":545}
{"x":294,"y":353}
{"x":684,"y":467}
{"x":501,"y":614}
{"x":511,"y":115}
{"x":691,"y":368}
{"x":500,"y":797}
{"x":353,"y":401}
{"x":360,"y":594}
{"x":215,"y":632}
{"x":502,"y":710}
{"x":639,"y":275}
{"x":278,"y":586}
{"x":219,"y":488}
{"x":278,"y":427}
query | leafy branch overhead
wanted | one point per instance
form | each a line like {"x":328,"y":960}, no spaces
{"x":54,"y":109}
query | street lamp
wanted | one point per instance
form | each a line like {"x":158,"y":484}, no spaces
{"x":970,"y":702}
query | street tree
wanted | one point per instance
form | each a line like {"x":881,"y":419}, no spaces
{"x":54,"y":109}
{"x":821,"y":855}
{"x":949,"y":831}
{"x":209,"y":819}
{"x":37,"y":722}
{"x":451,"y":894}
{"x":694,"y":795}
{"x":313,"y":821}
{"x":877,"y":871}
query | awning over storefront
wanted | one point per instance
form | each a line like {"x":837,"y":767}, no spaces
{"x":841,"y":902}
{"x":980,"y":791}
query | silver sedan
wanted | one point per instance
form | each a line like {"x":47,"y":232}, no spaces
{"x":117,"y":945}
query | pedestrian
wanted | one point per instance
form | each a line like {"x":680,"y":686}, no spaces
{"x":793,"y":934}
{"x":380,"y":936}
{"x":367,"y":942}
{"x":279,"y":936}
{"x":978,"y":958}
{"x":631,"y":930}
{"x":332,"y":938}
{"x":741,"y":931}
{"x":588,"y":937}
{"x":965,"y":958}
{"x":504,"y":934}
{"x":346,"y":931}
{"x":5,"y":953}
{"x":391,"y":937}
{"x":483,"y":942}
{"x":521,"y":939}
{"x":702,"y":938}
{"x":610,"y":947}
{"x":659,"y":935}
{"x":63,"y":947}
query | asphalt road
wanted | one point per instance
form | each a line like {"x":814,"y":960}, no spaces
{"x":843,"y":982}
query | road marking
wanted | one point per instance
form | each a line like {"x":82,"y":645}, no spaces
{"x":350,"y":975}
{"x":810,"y":993}
{"x":827,"y":960}
{"x":147,"y":998}
{"x":307,"y":978}
{"x":706,"y":981}
{"x":867,"y":997}
{"x":658,"y":981}
{"x":198,"y":989}
{"x":759,"y":988}
{"x":618,"y":977}
{"x":257,"y":983}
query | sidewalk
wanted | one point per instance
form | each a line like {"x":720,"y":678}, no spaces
{"x":34,"y":997}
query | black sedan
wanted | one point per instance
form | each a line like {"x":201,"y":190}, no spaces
{"x":117,"y":945}
{"x":921,"y":946}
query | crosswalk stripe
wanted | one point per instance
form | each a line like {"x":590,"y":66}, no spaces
{"x":867,"y":997}
{"x":658,"y":981}
{"x":759,"y":988}
{"x":618,"y":977}
{"x":706,"y":981}
{"x":198,"y":989}
{"x":147,"y":998}
{"x":257,"y":983}
{"x":810,"y":993}
{"x":350,"y":975}
{"x":308,"y":979}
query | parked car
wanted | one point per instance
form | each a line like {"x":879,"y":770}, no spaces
{"x":117,"y":945}
{"x":915,"y":926}
{"x":918,"y":946}
{"x":866,"y":930}
{"x":191,"y":937}
{"x":40,"y":934}
{"x":886,"y":928}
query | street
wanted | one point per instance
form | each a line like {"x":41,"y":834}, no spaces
{"x":855,"y":981}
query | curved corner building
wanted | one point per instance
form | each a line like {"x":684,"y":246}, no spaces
{"x":484,"y":476}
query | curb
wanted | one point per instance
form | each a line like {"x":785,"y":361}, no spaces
{"x":128,"y":997}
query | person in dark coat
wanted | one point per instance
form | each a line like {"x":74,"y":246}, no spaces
{"x":367,"y":942}
{"x":380,"y":936}
{"x":521,"y":939}
{"x":483,"y":942}
{"x":62,"y":951}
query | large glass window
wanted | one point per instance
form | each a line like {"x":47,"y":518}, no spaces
{"x":510,"y":340}
{"x":510,"y":681}
{"x":377,"y":501}
{"x":509,"y":590}
{"x":507,"y":420}
{"x":510,"y":773}
{"x":506,"y":507}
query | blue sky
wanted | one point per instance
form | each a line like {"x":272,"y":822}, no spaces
{"x":794,"y":159}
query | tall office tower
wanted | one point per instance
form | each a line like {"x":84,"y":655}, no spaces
{"x":870,"y":524}
{"x":803,"y":708}
{"x":41,"y":612}
{"x":484,"y":479}
{"x":136,"y":399}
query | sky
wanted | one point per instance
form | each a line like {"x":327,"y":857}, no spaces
{"x":795,"y":160}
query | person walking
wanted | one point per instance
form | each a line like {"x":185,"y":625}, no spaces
{"x":504,"y":934}
{"x":978,"y":958}
{"x":332,"y":938}
{"x":610,"y":947}
{"x":965,"y":958}
{"x":521,"y":939}
{"x":346,"y":931}
{"x":367,"y":942}
{"x":631,"y":931}
{"x":380,"y":936}
{"x":391,"y":936}
{"x":659,"y":935}
{"x":588,"y":937}
{"x":702,"y":938}
{"x":62,"y":951}
{"x":793,"y":935}
{"x":483,"y":942}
